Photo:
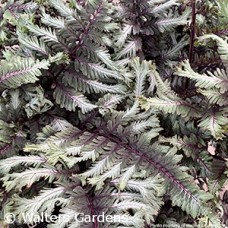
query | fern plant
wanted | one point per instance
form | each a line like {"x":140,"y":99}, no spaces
{"x":106,"y":111}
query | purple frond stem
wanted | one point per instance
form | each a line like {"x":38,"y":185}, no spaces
{"x":193,"y":25}
{"x":92,"y":20}
{"x":92,"y":209}
{"x":158,"y":166}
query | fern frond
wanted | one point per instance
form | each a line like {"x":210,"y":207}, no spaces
{"x":62,"y":8}
{"x":160,"y":9}
{"x":107,"y":150}
{"x":27,"y":178}
{"x":105,"y":57}
{"x":214,"y":122}
{"x":45,"y":202}
{"x":188,"y":144}
{"x":98,"y":53}
{"x":21,"y":71}
{"x":175,"y":50}
{"x":215,"y":96}
{"x":109,"y":101}
{"x":141,"y":126}
{"x":169,"y":24}
{"x":90,"y":86}
{"x":7,"y":164}
{"x":95,"y":70}
{"x":218,"y":79}
{"x":194,"y":149}
{"x":118,"y":123}
{"x":130,"y":49}
{"x":171,"y":105}
{"x":70,"y":99}
{"x":222,"y":44}
{"x":122,"y":36}
{"x":48,"y":35}
{"x":141,"y":71}
{"x":57,"y":23}
{"x":33,"y":44}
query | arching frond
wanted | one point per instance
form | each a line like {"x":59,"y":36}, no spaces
{"x":21,"y":71}
{"x":70,"y":99}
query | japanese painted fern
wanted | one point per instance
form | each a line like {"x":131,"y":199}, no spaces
{"x":104,"y":109}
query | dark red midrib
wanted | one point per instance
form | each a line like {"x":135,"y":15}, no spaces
{"x":92,"y":210}
{"x":14,"y":73}
{"x":87,"y":28}
{"x":69,"y":94}
{"x":157,"y":165}
{"x":192,"y":146}
{"x":4,"y":149}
